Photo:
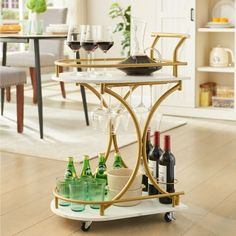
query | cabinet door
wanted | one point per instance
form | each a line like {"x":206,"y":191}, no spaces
{"x":178,"y":17}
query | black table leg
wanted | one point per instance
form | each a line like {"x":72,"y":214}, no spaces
{"x":4,"y":54}
{"x":4,"y":62}
{"x":2,"y":100}
{"x":83,"y":94}
{"x":39,"y":89}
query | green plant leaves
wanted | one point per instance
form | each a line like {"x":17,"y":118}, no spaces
{"x":116,"y":11}
{"x":37,"y":6}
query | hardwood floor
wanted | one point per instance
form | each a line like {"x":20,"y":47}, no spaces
{"x":206,"y":168}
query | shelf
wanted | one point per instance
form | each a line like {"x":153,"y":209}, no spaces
{"x":146,"y":207}
{"x":216,"y":69}
{"x":210,"y":108}
{"x":217,"y":30}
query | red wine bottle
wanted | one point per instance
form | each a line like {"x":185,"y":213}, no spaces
{"x":167,"y":170}
{"x":148,"y":149}
{"x":153,"y":161}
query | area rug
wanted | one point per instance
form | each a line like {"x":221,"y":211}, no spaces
{"x":65,"y":131}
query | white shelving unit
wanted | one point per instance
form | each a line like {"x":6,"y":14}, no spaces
{"x":216,"y":69}
{"x":190,"y":17}
{"x":206,"y":39}
{"x":217,"y":30}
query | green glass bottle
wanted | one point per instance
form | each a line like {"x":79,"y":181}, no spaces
{"x":86,"y":170}
{"x":102,"y":168}
{"x":118,"y":161}
{"x":70,"y":171}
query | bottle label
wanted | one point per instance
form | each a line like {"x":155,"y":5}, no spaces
{"x":162,"y":177}
{"x":152,"y":168}
{"x":68,"y":173}
{"x":88,"y":171}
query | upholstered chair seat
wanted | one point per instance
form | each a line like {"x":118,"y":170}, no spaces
{"x":10,"y":76}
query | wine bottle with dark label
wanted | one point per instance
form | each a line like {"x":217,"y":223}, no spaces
{"x":167,"y":170}
{"x":148,"y":149}
{"x":153,"y":161}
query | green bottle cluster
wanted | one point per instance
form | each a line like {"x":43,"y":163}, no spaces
{"x":86,"y":172}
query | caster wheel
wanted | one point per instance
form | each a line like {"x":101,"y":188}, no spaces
{"x":169,"y":216}
{"x":85,"y":226}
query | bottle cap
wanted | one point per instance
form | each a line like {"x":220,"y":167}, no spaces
{"x":86,"y":157}
{"x":70,"y":158}
{"x":148,"y":133}
{"x":117,"y":154}
{"x":157,"y":138}
{"x":167,"y":142}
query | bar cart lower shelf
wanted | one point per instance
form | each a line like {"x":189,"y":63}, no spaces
{"x":146,"y":207}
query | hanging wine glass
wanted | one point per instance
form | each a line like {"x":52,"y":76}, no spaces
{"x":141,"y":108}
{"x":104,"y":118}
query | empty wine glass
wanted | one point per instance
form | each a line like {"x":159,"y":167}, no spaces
{"x":104,"y":42}
{"x":141,"y":108}
{"x":88,"y":41}
{"x":104,"y":118}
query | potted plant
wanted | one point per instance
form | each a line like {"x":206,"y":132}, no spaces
{"x":36,"y":7}
{"x":116,"y":11}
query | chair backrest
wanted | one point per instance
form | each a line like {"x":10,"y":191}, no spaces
{"x":52,"y":16}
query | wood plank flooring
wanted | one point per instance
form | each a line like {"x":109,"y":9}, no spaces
{"x":205,"y":152}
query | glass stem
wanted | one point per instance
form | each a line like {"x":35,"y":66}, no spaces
{"x":130,"y":96}
{"x":89,"y":62}
{"x":105,"y":58}
{"x":141,"y":95}
{"x":150,"y":97}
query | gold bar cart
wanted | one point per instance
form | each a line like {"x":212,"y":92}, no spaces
{"x":149,"y":204}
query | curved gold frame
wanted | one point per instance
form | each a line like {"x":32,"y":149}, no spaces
{"x":141,"y":137}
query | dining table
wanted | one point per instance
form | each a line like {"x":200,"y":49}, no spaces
{"x":20,"y":38}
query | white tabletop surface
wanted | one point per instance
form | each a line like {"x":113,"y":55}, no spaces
{"x":116,"y":77}
{"x":32,"y":36}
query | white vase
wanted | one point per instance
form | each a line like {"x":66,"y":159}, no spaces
{"x":36,"y":24}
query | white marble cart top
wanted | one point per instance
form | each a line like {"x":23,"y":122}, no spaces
{"x":116,"y":77}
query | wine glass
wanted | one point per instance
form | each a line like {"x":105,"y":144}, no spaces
{"x":141,"y":110}
{"x":73,"y":41}
{"x":104,"y":118}
{"x":104,"y":42}
{"x":88,"y":41}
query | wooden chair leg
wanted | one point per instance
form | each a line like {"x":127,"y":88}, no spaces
{"x":34,"y":83}
{"x":62,"y":84}
{"x":20,"y":107}
{"x":8,"y":94}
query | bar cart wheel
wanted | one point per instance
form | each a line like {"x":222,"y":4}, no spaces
{"x":169,"y":216}
{"x":85,"y":226}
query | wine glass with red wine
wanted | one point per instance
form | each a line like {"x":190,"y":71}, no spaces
{"x":88,"y":41}
{"x":105,"y":42}
{"x":73,"y":41}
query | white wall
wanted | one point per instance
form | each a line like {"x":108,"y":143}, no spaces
{"x":98,"y":14}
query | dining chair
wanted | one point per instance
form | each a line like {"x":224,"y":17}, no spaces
{"x":10,"y":76}
{"x":50,"y":50}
